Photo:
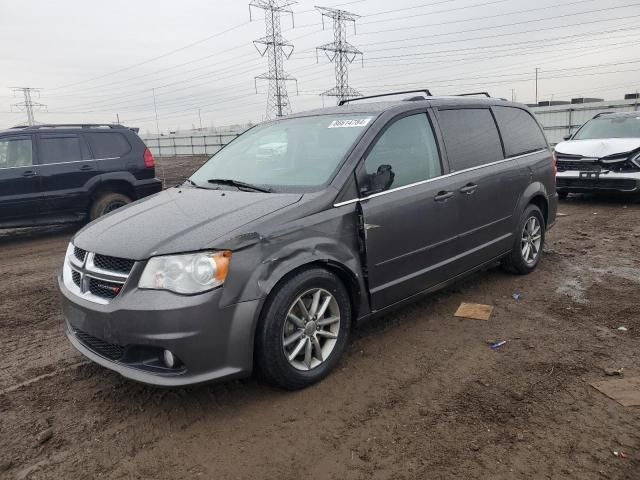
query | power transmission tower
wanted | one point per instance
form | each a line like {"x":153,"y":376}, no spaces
{"x":277,"y":49}
{"x":28,"y":105}
{"x":340,"y":52}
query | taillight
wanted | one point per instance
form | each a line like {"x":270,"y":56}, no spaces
{"x":554,"y":161}
{"x":149,"y":162}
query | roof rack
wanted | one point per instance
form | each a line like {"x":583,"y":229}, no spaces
{"x":68,"y":125}
{"x":607,"y":113}
{"x":473,"y":94}
{"x":349,"y":100}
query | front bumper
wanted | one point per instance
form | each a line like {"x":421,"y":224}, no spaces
{"x":575,"y":181}
{"x":130,"y":333}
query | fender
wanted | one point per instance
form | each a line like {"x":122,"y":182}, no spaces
{"x":535,"y":189}
{"x":329,"y":238}
{"x":94,"y":183}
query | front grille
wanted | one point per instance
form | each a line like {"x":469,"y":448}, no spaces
{"x":597,"y":184}
{"x":103,"y":289}
{"x":79,"y":253}
{"x":75,"y":276}
{"x":108,"y":350}
{"x":564,"y":165}
{"x":114,"y":264}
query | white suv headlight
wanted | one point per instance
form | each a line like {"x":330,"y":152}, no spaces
{"x":636,"y":159}
{"x":186,"y":274}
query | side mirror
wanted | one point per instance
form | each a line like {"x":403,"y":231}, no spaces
{"x":568,"y":137}
{"x":381,"y":180}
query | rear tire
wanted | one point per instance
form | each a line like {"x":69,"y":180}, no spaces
{"x":528,"y":242}
{"x":297,"y":346}
{"x":106,"y":203}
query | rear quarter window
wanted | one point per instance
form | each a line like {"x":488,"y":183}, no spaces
{"x":520,"y":132}
{"x":108,"y":144}
{"x":470,"y":137}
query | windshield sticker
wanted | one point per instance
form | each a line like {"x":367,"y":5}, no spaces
{"x":358,"y":123}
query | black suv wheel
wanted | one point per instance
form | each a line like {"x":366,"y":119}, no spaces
{"x":303,"y":330}
{"x":106,"y":203}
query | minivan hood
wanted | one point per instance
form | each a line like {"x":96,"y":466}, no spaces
{"x":598,"y":148}
{"x":177,"y":220}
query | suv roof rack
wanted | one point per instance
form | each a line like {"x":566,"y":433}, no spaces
{"x":68,"y":125}
{"x":473,"y":94}
{"x":349,"y":100}
{"x":601,"y":114}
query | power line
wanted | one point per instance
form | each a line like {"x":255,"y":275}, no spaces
{"x":343,"y":53}
{"x":154,"y":58}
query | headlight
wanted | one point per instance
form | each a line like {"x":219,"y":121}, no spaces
{"x":636,"y":159}
{"x":187,"y":274}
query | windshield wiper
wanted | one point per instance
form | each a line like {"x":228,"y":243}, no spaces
{"x":238,"y":184}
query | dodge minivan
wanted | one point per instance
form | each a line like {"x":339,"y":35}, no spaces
{"x":266,"y":258}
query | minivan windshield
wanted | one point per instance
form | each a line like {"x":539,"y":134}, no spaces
{"x":610,"y":127}
{"x":296,"y":154}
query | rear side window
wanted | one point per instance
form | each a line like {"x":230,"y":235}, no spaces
{"x":16,"y":152}
{"x":520,"y":132}
{"x":470,"y":136}
{"x":62,"y":149}
{"x":108,"y":144}
{"x":407,"y":151}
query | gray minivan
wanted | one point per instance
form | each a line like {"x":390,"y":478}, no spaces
{"x":266,"y":258}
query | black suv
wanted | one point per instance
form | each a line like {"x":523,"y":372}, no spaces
{"x":64,"y":173}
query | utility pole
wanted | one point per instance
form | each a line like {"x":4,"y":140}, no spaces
{"x":537,"y":70}
{"x":155,"y":108}
{"x":340,"y":52}
{"x":118,"y":118}
{"x":277,"y":49}
{"x":28,"y":105}
{"x":200,"y":117}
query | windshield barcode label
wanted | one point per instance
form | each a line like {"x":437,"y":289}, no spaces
{"x":360,"y":122}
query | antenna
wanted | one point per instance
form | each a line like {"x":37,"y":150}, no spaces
{"x":340,"y":52}
{"x":277,"y":49}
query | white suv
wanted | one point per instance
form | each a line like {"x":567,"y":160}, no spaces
{"x":604,"y":155}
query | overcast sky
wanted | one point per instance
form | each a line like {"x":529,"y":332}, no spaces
{"x":94,"y":60}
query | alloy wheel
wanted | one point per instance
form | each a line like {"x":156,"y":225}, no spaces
{"x":311,"y":329}
{"x":531,"y":240}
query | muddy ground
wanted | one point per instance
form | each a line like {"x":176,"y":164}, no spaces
{"x":419,"y":393}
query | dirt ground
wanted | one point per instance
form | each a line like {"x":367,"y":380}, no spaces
{"x":419,"y":394}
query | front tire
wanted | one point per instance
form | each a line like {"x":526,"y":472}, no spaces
{"x":528,"y":242}
{"x":563,"y":195}
{"x":303,"y":330}
{"x":106,"y":203}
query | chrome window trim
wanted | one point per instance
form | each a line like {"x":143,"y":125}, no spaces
{"x":24,"y":166}
{"x":62,"y":163}
{"x":423,"y":182}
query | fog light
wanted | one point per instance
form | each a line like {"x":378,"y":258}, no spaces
{"x":169,"y":359}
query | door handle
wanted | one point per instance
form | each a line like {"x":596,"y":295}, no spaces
{"x":443,"y":196}
{"x":469,"y":188}
{"x":29,"y":173}
{"x":86,"y":168}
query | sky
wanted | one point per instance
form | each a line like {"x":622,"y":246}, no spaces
{"x":99,"y":61}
